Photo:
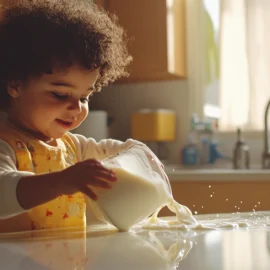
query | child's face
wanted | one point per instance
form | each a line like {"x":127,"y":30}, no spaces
{"x":52,"y":104}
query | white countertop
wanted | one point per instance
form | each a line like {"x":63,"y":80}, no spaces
{"x":101,"y":248}
{"x":208,"y":173}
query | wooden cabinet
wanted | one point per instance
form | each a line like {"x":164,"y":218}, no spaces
{"x":227,"y":197}
{"x":156,"y":29}
{"x":100,"y":3}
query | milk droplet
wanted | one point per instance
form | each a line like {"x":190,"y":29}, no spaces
{"x":173,"y":170}
{"x":255,"y":205}
{"x":211,"y":195}
{"x":209,"y":186}
{"x":259,"y":202}
{"x":213,"y":192}
{"x":193,"y":205}
{"x":202,"y":206}
{"x":235,"y":206}
{"x":227,"y":199}
{"x":241,"y":202}
{"x":195,"y":212}
{"x":238,"y":208}
{"x":253,"y":210}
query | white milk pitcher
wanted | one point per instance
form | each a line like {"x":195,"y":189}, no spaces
{"x":141,"y":189}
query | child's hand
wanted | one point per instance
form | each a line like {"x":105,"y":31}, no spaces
{"x":86,"y":174}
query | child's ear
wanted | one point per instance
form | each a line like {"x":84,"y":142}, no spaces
{"x":13,"y":89}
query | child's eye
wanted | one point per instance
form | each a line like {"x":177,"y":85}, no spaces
{"x":84,"y":100}
{"x":59,"y":96}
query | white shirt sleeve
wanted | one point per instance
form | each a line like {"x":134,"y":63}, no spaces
{"x":88,"y":148}
{"x":9,"y":178}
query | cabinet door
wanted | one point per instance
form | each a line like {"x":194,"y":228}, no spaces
{"x":100,"y":3}
{"x":211,"y":197}
{"x":156,"y":29}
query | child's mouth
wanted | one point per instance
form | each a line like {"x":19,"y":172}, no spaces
{"x":63,"y":123}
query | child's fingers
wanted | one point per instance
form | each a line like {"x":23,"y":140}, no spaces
{"x":109,"y":176}
{"x":99,"y":183}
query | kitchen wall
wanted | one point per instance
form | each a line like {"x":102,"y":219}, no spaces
{"x":120,"y":100}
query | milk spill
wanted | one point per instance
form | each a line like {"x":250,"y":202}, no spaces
{"x":185,"y":221}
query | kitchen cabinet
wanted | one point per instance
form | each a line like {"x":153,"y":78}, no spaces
{"x":156,"y":29}
{"x":100,"y":3}
{"x":227,"y":196}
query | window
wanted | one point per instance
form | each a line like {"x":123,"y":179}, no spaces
{"x":211,"y":15}
{"x":236,"y":62}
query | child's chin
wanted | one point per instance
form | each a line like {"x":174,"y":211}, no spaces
{"x":58,"y":135}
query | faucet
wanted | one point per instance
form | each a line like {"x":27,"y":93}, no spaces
{"x":240,"y":151}
{"x":266,"y":152}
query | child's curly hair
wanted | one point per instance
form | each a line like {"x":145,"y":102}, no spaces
{"x":38,"y":35}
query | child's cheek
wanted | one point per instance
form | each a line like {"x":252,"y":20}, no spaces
{"x":83,"y":114}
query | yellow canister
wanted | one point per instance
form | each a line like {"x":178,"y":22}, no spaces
{"x":153,"y":125}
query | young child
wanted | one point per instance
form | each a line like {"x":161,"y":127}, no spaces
{"x":54,"y":55}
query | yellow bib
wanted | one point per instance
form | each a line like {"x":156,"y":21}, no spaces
{"x":38,"y":157}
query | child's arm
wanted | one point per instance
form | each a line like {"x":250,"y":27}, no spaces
{"x":20,"y":191}
{"x":89,"y":148}
{"x":38,"y":189}
{"x":9,"y":178}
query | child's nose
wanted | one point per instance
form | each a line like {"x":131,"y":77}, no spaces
{"x":75,"y":105}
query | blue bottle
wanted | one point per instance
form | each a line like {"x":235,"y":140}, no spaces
{"x":190,"y":153}
{"x":215,"y":153}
